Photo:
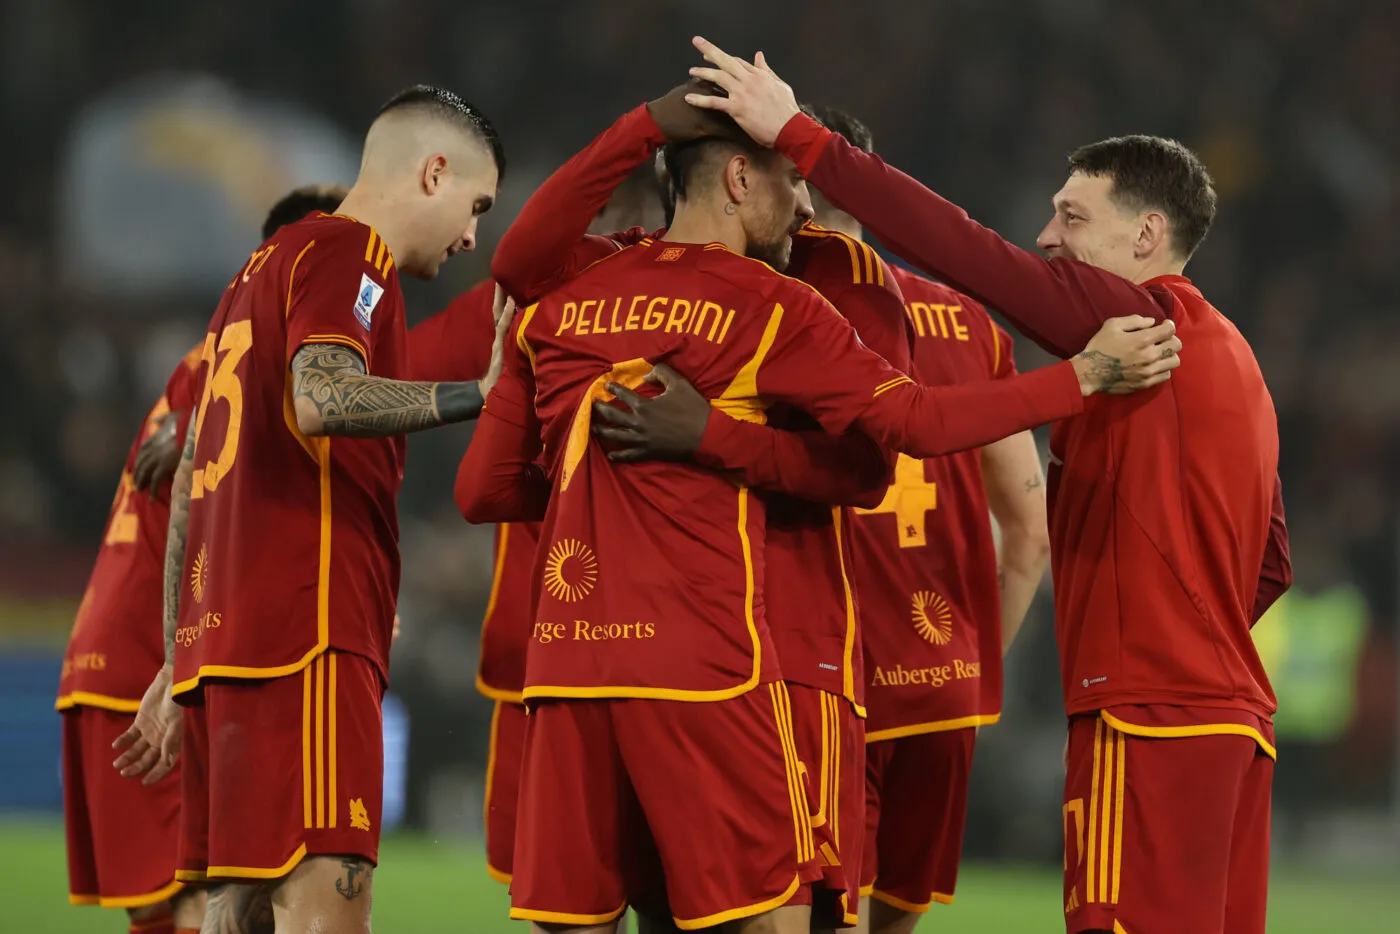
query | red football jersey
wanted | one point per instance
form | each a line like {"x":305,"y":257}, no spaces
{"x":652,"y":575}
{"x":811,"y":591}
{"x":1167,"y":493}
{"x":1168,"y":537}
{"x":455,"y":345}
{"x":293,"y":541}
{"x":926,"y":561}
{"x":116,"y":646}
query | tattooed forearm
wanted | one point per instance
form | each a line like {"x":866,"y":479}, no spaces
{"x":175,"y":538}
{"x":351,"y":403}
{"x":238,"y":909}
{"x":1034,"y":483}
{"x":1103,"y":370}
{"x":357,"y":874}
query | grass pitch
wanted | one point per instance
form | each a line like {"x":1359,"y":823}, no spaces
{"x":423,"y":886}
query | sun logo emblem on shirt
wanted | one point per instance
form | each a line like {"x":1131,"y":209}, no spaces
{"x":570,"y":571}
{"x":199,"y":573}
{"x":933,"y":617}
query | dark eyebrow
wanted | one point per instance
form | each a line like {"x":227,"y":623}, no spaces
{"x":483,"y":205}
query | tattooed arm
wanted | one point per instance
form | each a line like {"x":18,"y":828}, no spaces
{"x":175,"y":538}
{"x":151,"y":745}
{"x":1016,"y":494}
{"x":334,"y":395}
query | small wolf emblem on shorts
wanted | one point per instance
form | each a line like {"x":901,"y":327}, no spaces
{"x":359,"y":817}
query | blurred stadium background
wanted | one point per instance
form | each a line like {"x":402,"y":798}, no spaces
{"x":145,"y":141}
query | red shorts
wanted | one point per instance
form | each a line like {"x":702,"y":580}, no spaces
{"x":1165,"y":835}
{"x":830,"y":741}
{"x":691,"y":809}
{"x":503,"y":788}
{"x":122,"y":835}
{"x":287,"y":768}
{"x":915,"y":812}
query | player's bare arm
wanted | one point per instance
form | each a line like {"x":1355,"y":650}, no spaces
{"x":152,"y":744}
{"x":335,"y":395}
{"x":1016,"y":494}
{"x":159,"y":455}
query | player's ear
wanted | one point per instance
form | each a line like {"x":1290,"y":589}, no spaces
{"x":434,"y":173}
{"x":738,"y":174}
{"x":1152,"y":233}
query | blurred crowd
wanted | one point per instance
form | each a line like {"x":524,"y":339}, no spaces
{"x":1291,"y":103}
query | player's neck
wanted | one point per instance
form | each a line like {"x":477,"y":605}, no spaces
{"x":1153,"y":270}
{"x":375,"y":209}
{"x":699,"y":223}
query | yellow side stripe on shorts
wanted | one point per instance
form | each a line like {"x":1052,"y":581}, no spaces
{"x":306,"y":747}
{"x":1122,"y":744}
{"x":833,"y":804}
{"x":824,"y":786}
{"x":807,"y":848}
{"x":1089,"y":857}
{"x":797,"y":799}
{"x":1104,"y":859}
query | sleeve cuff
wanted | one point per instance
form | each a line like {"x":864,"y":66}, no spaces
{"x":1061,"y":384}
{"x":718,"y":438}
{"x":645,"y":125}
{"x":803,"y":140}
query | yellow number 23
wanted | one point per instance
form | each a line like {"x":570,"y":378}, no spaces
{"x":222,"y":383}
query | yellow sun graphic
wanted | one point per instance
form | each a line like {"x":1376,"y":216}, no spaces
{"x":570,"y":571}
{"x":933,"y":617}
{"x":199,"y":573}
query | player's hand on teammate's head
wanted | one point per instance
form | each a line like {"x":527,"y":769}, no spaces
{"x":151,"y":745}
{"x":158,"y":456}
{"x":758,"y":100}
{"x":681,"y":122}
{"x":666,"y":427}
{"x":1128,"y":355}
{"x":503,"y":311}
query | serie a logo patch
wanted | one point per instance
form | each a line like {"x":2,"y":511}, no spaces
{"x":369,"y":295}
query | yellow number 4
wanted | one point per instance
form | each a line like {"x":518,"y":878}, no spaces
{"x":908,"y":499}
{"x":222,"y":383}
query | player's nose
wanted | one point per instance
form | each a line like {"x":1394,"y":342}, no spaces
{"x":804,"y":204}
{"x":469,"y":238}
{"x":1049,"y":237}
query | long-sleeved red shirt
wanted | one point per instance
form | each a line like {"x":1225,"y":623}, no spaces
{"x":1166,"y":513}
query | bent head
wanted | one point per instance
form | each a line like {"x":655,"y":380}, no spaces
{"x":1138,"y":206}
{"x":300,"y":202}
{"x":761,"y":190}
{"x":438,"y":161}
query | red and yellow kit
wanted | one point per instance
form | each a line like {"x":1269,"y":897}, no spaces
{"x":926,"y":566}
{"x":1147,"y":818}
{"x":1168,"y":538}
{"x":292,"y":566}
{"x":613,"y":621}
{"x":706,"y":628}
{"x":455,"y":345}
{"x":122,"y":836}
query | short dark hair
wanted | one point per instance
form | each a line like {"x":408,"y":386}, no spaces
{"x":1152,"y":173}
{"x":839,"y":121}
{"x":682,"y":159}
{"x":446,"y":105}
{"x":300,"y":202}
